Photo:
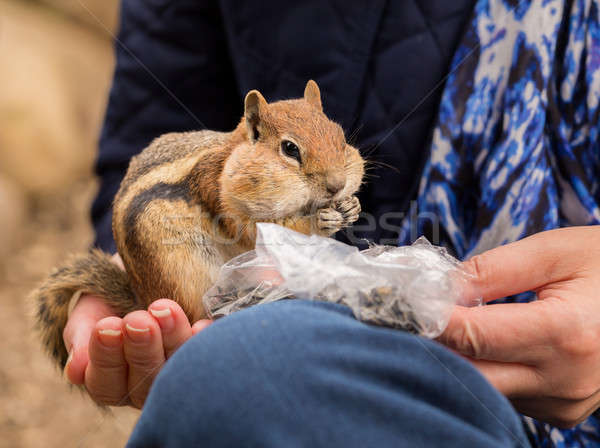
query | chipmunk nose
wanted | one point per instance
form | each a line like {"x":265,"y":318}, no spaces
{"x":335,"y":182}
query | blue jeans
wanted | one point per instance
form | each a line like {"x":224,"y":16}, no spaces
{"x":307,"y":374}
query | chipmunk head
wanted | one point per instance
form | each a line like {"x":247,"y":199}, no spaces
{"x":292,"y":159}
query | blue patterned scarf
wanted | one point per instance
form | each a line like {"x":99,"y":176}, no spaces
{"x":515,"y":150}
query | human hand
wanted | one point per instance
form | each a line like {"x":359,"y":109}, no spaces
{"x":544,"y":355}
{"x":117,"y":359}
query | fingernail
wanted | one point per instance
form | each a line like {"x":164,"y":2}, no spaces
{"x":160,"y":313}
{"x":109,"y":337}
{"x":164,"y":317}
{"x":138,"y":334}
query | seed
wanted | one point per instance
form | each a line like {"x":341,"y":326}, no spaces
{"x":382,"y":306}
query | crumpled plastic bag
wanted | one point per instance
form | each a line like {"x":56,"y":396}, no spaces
{"x":413,"y":288}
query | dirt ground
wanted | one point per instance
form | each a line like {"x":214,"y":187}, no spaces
{"x":55,"y":68}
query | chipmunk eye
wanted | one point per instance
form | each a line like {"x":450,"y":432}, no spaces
{"x":291,"y":150}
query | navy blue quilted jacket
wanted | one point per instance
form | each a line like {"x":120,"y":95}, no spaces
{"x":186,"y":65}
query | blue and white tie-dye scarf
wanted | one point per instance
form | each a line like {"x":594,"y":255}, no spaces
{"x":516,"y":149}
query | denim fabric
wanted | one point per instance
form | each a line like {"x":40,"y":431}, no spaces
{"x":306,"y":374}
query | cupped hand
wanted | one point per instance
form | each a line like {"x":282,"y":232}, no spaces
{"x":543,"y":355}
{"x":116,"y":358}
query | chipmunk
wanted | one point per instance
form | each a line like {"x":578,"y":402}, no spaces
{"x":190,"y":201}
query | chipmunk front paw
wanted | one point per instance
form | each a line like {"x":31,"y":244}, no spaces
{"x":341,"y":214}
{"x":349,"y":208}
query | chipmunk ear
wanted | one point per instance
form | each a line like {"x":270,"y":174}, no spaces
{"x":255,"y":107}
{"x":312,"y":94}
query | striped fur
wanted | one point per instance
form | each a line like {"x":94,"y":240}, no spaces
{"x":190,"y":201}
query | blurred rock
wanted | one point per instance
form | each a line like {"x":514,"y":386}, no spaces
{"x":55,"y":71}
{"x":53,"y":83}
{"x":12,"y":216}
{"x":100,"y":14}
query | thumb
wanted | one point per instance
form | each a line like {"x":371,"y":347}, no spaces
{"x":89,"y":310}
{"x":510,"y":332}
{"x":528,"y":264}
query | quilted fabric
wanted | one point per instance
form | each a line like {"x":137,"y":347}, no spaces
{"x":187,"y":65}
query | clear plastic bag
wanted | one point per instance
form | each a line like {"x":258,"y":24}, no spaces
{"x":413,"y":288}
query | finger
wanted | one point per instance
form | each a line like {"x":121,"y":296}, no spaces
{"x":201,"y":325}
{"x":527,"y":264}
{"x":510,"y":332}
{"x":530,"y":395}
{"x":76,"y":335}
{"x":116,"y":259}
{"x":174,"y":324}
{"x":144,"y":353}
{"x":106,"y":372}
{"x":556,"y":411}
{"x":512,"y":380}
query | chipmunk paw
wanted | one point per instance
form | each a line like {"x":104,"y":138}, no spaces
{"x":349,"y":208}
{"x":341,"y":214}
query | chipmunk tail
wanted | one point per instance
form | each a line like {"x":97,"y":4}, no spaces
{"x":93,"y":273}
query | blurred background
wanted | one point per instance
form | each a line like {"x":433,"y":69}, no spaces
{"x":56,"y":65}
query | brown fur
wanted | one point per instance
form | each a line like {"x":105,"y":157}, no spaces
{"x":190,"y":201}
{"x":87,"y":272}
